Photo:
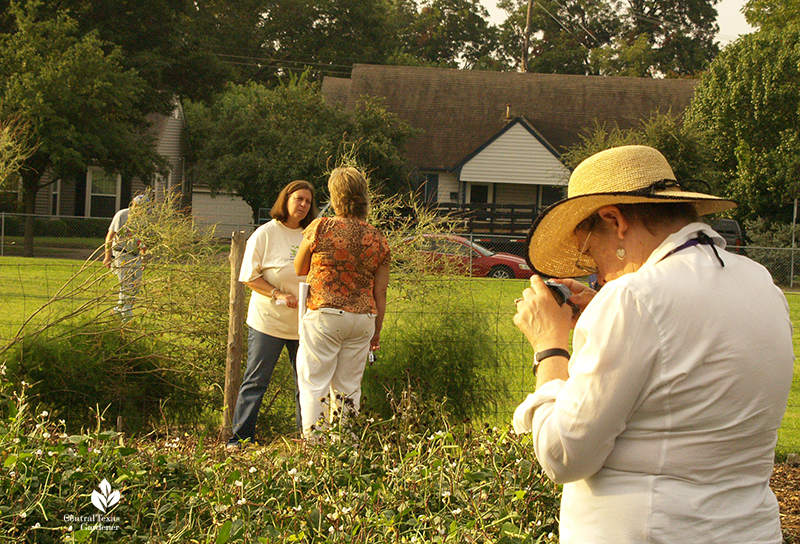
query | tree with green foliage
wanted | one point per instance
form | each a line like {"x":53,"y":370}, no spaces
{"x":81,"y":106}
{"x":772,"y":14}
{"x":681,"y":33}
{"x":453,"y":33}
{"x":680,"y":143}
{"x":15,"y":147}
{"x":749,"y":105}
{"x":562,"y":33}
{"x":171,"y":44}
{"x":252,"y":140}
{"x":643,"y":38}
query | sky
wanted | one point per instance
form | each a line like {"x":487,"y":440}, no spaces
{"x":731,"y":21}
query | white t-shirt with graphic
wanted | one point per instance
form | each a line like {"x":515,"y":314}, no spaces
{"x":270,"y":253}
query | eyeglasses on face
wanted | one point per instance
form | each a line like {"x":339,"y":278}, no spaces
{"x":584,"y":262}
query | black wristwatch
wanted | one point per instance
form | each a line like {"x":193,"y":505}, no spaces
{"x":544,"y":354}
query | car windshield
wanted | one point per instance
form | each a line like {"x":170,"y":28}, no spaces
{"x":482,"y":250}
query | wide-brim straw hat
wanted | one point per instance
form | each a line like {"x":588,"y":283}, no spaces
{"x":621,"y":175}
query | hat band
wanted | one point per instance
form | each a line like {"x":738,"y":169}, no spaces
{"x":657,"y":186}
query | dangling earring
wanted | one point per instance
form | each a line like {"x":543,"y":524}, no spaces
{"x":621,"y":253}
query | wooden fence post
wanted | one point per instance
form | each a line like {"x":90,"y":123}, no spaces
{"x":233,"y":361}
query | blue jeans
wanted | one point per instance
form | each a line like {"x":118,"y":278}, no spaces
{"x":263,"y":352}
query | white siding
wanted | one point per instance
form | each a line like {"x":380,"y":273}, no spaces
{"x":515,"y":157}
{"x":229,"y":213}
{"x":171,"y":144}
{"x":448,"y":183}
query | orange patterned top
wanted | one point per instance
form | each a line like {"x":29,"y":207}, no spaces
{"x":345,"y":253}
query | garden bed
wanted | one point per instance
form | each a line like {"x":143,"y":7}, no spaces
{"x":786,"y":485}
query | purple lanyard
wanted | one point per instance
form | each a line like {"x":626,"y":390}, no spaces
{"x":701,"y":239}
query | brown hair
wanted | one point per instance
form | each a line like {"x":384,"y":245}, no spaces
{"x":280,"y":210}
{"x":655,"y":214}
{"x":651,"y":215}
{"x":349,"y":192}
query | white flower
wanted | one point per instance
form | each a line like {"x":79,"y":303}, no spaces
{"x":46,"y":435}
{"x":445,"y":494}
{"x":44,"y":414}
{"x":457,"y":511}
{"x":298,"y":508}
{"x":238,"y":483}
{"x":293,"y":472}
{"x":330,"y":529}
{"x":241,"y":502}
{"x":39,"y":453}
{"x":23,"y":514}
{"x":252,"y":470}
{"x":69,"y":529}
{"x":37,"y":525}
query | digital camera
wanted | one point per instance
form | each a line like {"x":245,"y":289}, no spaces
{"x":561,"y":293}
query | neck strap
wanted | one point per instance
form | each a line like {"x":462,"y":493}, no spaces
{"x":702,"y":239}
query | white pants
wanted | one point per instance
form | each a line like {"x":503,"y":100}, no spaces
{"x":334,"y":346}
{"x":128,"y":268}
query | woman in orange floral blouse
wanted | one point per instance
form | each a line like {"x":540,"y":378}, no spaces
{"x":347,"y":262}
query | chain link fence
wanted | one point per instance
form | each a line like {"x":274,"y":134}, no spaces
{"x":79,"y":237}
{"x":27,"y":284}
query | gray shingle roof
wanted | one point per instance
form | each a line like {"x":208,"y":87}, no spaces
{"x":459,"y":110}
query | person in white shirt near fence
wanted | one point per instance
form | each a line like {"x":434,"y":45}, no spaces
{"x":123,"y":254}
{"x":268,"y":270}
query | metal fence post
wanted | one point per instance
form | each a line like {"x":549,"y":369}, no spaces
{"x":3,"y":234}
{"x":794,"y":223}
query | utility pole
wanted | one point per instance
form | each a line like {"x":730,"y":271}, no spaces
{"x":527,"y":39}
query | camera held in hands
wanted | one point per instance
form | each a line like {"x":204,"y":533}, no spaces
{"x":561,"y":293}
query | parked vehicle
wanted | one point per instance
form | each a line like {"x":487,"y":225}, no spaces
{"x":451,"y":251}
{"x":733,"y":233}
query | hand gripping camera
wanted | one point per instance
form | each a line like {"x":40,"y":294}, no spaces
{"x":562,"y":293}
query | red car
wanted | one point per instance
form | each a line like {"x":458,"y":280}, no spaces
{"x":471,"y":258}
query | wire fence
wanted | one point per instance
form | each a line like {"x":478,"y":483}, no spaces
{"x":27,"y":285}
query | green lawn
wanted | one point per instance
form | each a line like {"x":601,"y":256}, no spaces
{"x":26,"y":284}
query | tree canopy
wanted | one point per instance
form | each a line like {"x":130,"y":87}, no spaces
{"x":643,"y":38}
{"x":71,"y":92}
{"x":253,"y":140}
{"x":749,"y":105}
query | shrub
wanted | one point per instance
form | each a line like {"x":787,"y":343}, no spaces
{"x":77,"y":370}
{"x":443,"y":352}
{"x":764,"y":237}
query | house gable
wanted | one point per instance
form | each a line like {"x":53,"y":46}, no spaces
{"x":516,"y":155}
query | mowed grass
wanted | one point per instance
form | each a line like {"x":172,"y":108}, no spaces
{"x":26,"y":284}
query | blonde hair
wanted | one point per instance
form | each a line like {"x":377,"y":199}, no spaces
{"x":349,"y":192}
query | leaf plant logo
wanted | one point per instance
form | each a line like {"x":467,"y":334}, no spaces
{"x":106,"y":498}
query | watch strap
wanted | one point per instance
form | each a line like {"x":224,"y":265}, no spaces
{"x":544,"y":354}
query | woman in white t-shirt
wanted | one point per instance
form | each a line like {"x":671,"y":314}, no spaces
{"x":268,"y":269}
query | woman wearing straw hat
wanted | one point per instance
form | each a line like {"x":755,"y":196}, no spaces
{"x":663,"y":420}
